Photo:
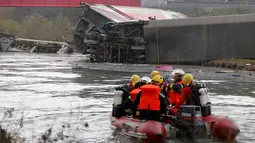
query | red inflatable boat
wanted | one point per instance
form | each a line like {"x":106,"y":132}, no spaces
{"x":147,"y":131}
{"x":221,"y":128}
{"x":189,"y":120}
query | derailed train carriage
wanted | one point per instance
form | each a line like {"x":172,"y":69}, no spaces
{"x":116,"y":33}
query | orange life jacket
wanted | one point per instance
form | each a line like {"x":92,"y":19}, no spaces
{"x":173,"y":96}
{"x":134,"y":93}
{"x":149,"y":99}
{"x":181,"y":82}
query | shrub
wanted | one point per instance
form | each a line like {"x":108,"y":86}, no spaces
{"x":36,"y":26}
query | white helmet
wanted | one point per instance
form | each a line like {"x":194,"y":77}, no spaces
{"x":177,"y":71}
{"x":146,"y":78}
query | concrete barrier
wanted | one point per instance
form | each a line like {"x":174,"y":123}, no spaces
{"x":191,"y":7}
{"x":195,"y":40}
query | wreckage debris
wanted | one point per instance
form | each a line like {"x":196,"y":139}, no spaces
{"x":9,"y":43}
{"x":5,"y":41}
{"x":116,"y":33}
{"x":36,"y":46}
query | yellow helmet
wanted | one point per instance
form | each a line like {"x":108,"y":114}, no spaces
{"x":188,"y":78}
{"x":153,"y":73}
{"x":135,"y":79}
{"x":157,"y":79}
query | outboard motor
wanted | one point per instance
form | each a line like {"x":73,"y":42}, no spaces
{"x":189,"y":114}
{"x":189,"y":120}
{"x":117,"y":109}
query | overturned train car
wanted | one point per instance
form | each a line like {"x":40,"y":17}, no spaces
{"x":116,"y":33}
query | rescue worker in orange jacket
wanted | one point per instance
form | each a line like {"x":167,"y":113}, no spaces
{"x":178,"y":76}
{"x":163,"y":86}
{"x":186,"y":93}
{"x":150,"y":101}
{"x":174,"y":89}
{"x":154,"y":73}
{"x":133,"y":91}
{"x":135,"y":82}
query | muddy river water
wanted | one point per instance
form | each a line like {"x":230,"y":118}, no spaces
{"x":41,"y":92}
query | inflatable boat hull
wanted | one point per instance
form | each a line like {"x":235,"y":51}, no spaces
{"x":219,"y":127}
{"x":146,"y":131}
{"x":222,"y":128}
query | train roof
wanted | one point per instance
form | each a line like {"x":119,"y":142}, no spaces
{"x":125,"y":13}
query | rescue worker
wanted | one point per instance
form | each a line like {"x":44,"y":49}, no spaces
{"x":135,"y":84}
{"x":153,"y":73}
{"x":146,"y":79}
{"x":150,"y":102}
{"x":163,"y":86}
{"x":178,"y":75}
{"x":127,"y":104}
{"x":174,"y":89}
{"x":186,"y":93}
{"x":135,"y":81}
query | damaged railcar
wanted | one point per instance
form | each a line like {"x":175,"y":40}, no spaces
{"x":116,"y":33}
{"x":110,"y":36}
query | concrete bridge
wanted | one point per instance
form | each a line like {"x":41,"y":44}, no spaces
{"x":194,"y":40}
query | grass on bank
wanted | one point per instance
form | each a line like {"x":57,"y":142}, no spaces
{"x":5,"y":137}
{"x":63,"y":132}
{"x":245,"y":61}
{"x":240,"y":64}
{"x":36,"y":26}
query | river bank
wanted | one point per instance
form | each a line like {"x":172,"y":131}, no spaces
{"x":235,"y":64}
{"x":203,"y":72}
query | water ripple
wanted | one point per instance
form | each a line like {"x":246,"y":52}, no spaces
{"x":47,"y":93}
